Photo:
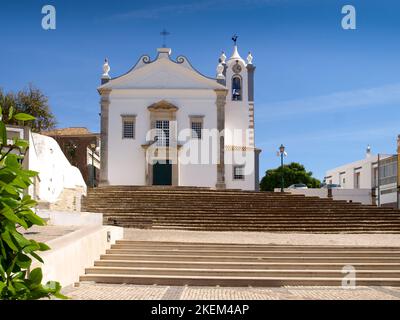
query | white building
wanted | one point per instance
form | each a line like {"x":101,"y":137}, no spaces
{"x":160,"y":124}
{"x":364,"y":174}
{"x":59,"y":185}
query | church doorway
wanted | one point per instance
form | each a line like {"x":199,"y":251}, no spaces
{"x":162,"y":173}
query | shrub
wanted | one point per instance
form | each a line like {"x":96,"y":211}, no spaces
{"x":17,"y":282}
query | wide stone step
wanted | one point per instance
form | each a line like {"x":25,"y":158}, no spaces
{"x":131,"y":244}
{"x":250,"y":219}
{"x":244,"y":265}
{"x":239,"y":272}
{"x":234,"y":281}
{"x":250,"y":258}
{"x":279,"y":229}
{"x":271,"y":225}
{"x":257,"y":253}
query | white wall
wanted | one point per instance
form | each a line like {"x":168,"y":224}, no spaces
{"x":236,"y":112}
{"x":363,"y":196}
{"x":72,"y":253}
{"x":347,"y":171}
{"x":126,"y":157}
{"x":233,"y":158}
{"x":55,"y":171}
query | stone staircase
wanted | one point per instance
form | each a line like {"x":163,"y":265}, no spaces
{"x":210,"y":264}
{"x":202,"y":209}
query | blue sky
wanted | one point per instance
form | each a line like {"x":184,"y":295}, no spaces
{"x":324,"y":92}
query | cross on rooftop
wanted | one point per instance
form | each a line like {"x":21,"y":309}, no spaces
{"x":164,"y":33}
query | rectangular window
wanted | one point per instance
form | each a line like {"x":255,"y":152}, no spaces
{"x":357,"y":176}
{"x":238,"y":173}
{"x":128,"y":127}
{"x":197,"y":127}
{"x":162,"y":133}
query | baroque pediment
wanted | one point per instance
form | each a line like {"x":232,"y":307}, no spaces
{"x":162,"y":73}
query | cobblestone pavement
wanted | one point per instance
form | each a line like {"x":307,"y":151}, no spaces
{"x":92,"y":291}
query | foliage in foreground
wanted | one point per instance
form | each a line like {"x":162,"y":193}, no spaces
{"x":16,"y":251}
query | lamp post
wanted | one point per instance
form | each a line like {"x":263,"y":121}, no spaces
{"x":282,"y":153}
{"x":93,"y":149}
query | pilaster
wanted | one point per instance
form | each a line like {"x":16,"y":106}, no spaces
{"x":104,"y":124}
{"x":220,"y":103}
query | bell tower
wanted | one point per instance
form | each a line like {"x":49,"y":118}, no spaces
{"x":238,"y":77}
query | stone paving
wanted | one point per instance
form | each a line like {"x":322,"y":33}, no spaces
{"x":47,"y":233}
{"x":94,"y":291}
{"x":279,"y":238}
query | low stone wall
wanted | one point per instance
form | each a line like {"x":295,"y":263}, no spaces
{"x":67,"y":218}
{"x":72,"y":253}
{"x":69,"y":200}
{"x":363,"y":196}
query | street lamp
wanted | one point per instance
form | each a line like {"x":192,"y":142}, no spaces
{"x":93,"y":149}
{"x":282,"y":154}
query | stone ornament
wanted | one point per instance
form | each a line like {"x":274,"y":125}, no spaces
{"x":222,"y":58}
{"x":106,"y":69}
{"x":250,"y":58}
{"x":220,"y":70}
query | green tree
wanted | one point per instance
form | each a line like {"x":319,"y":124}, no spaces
{"x":30,"y":101}
{"x":17,"y":281}
{"x":292,"y":173}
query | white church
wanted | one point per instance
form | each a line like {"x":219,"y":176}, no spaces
{"x":165,"y":123}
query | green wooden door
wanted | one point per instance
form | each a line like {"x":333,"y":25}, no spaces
{"x":162,"y":173}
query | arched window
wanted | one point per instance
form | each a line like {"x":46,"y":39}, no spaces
{"x":236,"y":88}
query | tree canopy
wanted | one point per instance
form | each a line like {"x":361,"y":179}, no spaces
{"x":31,"y":101}
{"x":292,"y":173}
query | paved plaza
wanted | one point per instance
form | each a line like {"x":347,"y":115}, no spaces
{"x":98,"y":291}
{"x":92,"y":291}
{"x":47,"y":233}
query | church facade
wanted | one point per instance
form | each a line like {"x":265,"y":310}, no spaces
{"x":164,"y":123}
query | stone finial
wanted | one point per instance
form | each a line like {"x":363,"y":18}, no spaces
{"x":220,"y":70}
{"x":222,"y":58}
{"x":106,"y":70}
{"x":249,"y":58}
{"x":368,"y":153}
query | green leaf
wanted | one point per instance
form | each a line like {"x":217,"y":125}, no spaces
{"x":10,"y":189}
{"x":36,"y":276}
{"x":9,"y":214}
{"x":7,"y":239}
{"x":37,"y":257}
{"x":30,"y":173}
{"x":20,"y":239}
{"x":23,"y":117}
{"x":6,"y":175}
{"x":43,"y":246}
{"x":3,"y":133}
{"x":18,"y":182}
{"x":10,"y":112}
{"x":21,"y":143}
{"x":12,"y":161}
{"x":2,"y":286}
{"x":35,"y":219}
